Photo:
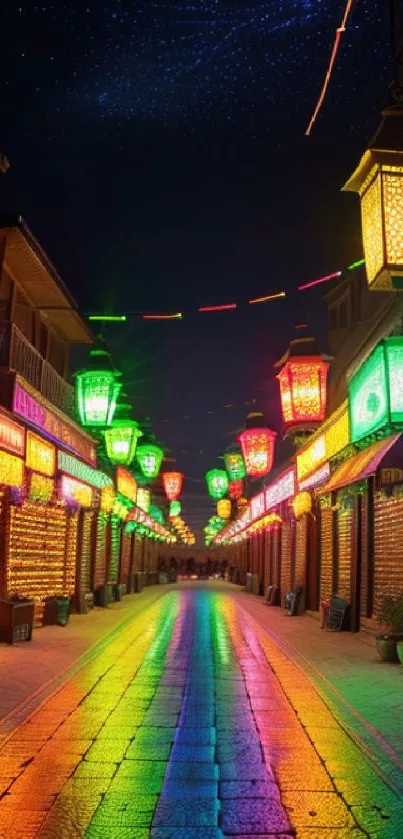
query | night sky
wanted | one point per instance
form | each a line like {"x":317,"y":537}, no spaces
{"x":158,"y":153}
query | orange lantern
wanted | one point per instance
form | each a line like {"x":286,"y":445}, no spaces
{"x":257,"y":442}
{"x":303,"y":378}
{"x":172,"y":482}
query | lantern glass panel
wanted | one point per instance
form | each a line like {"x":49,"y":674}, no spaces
{"x":372,"y":227}
{"x":303,"y":390}
{"x":149,"y":456}
{"x":235,"y":466}
{"x":368,"y":395}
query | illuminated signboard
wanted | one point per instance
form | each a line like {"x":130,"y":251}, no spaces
{"x":69,"y":464}
{"x":281,"y":489}
{"x":41,"y":455}
{"x":310,"y":458}
{"x":107,"y":498}
{"x":11,"y":470}
{"x":126,"y":484}
{"x":76,"y":492}
{"x":337,"y":436}
{"x":316,"y":478}
{"x":375,"y":391}
{"x":60,"y":430}
{"x":12,"y":436}
{"x":41,"y":488}
{"x":257,"y":506}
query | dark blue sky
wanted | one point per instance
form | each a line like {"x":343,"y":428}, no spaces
{"x":157,"y":151}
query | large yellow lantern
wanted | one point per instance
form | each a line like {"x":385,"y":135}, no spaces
{"x":378,"y":180}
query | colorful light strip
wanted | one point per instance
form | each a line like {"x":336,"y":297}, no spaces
{"x":108,"y":318}
{"x":173,"y":316}
{"x":320,"y":281}
{"x":222,"y":308}
{"x":274,"y":296}
{"x":339,"y":32}
{"x":355,"y":264}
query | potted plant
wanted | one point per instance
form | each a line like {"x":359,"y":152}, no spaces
{"x":391,"y":617}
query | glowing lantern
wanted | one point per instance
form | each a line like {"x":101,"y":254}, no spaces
{"x":376,"y":392}
{"x":242,"y":504}
{"x":149,"y":456}
{"x":175,"y":508}
{"x":217,"y":483}
{"x":156,"y":513}
{"x":143,"y":499}
{"x":121,"y":438}
{"x":234,"y":465}
{"x":172,"y":482}
{"x":378,"y":180}
{"x":235,"y":490}
{"x":97,"y":389}
{"x":257,"y":443}
{"x":224,"y":508}
{"x":302,"y":378}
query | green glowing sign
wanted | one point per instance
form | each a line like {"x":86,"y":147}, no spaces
{"x":217,"y":483}
{"x":376,"y":390}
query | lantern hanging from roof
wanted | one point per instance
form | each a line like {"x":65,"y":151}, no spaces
{"x":172,"y":483}
{"x":217,"y":483}
{"x":235,"y":490}
{"x":143,"y":499}
{"x":121,"y":437}
{"x":302,"y":378}
{"x":234,"y":464}
{"x":97,"y":389}
{"x":378,"y":180}
{"x":224,"y":508}
{"x":149,"y":456}
{"x":175,"y":509}
{"x":257,"y":443}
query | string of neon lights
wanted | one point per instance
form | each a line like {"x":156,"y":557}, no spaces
{"x":339,"y":32}
{"x":223,"y":307}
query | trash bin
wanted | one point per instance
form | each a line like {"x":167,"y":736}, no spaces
{"x":16,"y":620}
{"x":56,"y":611}
{"x":324,"y":610}
{"x":249,"y":582}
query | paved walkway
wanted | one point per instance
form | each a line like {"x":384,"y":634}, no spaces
{"x":191,"y":721}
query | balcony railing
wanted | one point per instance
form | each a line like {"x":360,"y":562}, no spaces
{"x":18,"y":354}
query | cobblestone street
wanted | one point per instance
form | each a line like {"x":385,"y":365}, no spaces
{"x":189,"y":720}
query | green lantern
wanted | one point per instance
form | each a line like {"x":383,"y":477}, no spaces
{"x":217,"y":483}
{"x":156,"y":513}
{"x":376,"y":391}
{"x":234,"y":464}
{"x":175,"y":509}
{"x":121,"y":438}
{"x":149,"y":456}
{"x":97,"y":389}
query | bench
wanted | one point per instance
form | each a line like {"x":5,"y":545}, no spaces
{"x":337,"y":614}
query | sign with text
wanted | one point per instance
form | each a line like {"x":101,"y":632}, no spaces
{"x":60,"y":430}
{"x":41,"y":455}
{"x":12,"y":436}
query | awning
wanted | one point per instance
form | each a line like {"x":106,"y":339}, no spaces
{"x":360,"y":466}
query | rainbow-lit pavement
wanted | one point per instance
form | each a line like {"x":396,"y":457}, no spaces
{"x":190,"y":723}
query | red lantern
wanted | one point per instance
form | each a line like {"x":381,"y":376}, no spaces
{"x":172,"y":482}
{"x":302,"y":377}
{"x":257,"y":443}
{"x":235,"y":490}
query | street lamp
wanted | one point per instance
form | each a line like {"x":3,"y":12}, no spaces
{"x":217,"y":483}
{"x":172,"y":483}
{"x":234,"y":464}
{"x":149,"y":456}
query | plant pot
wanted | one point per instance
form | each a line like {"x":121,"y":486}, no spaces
{"x":399,"y":648}
{"x":386,"y":646}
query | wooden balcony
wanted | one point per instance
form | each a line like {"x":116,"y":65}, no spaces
{"x":18,"y":354}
